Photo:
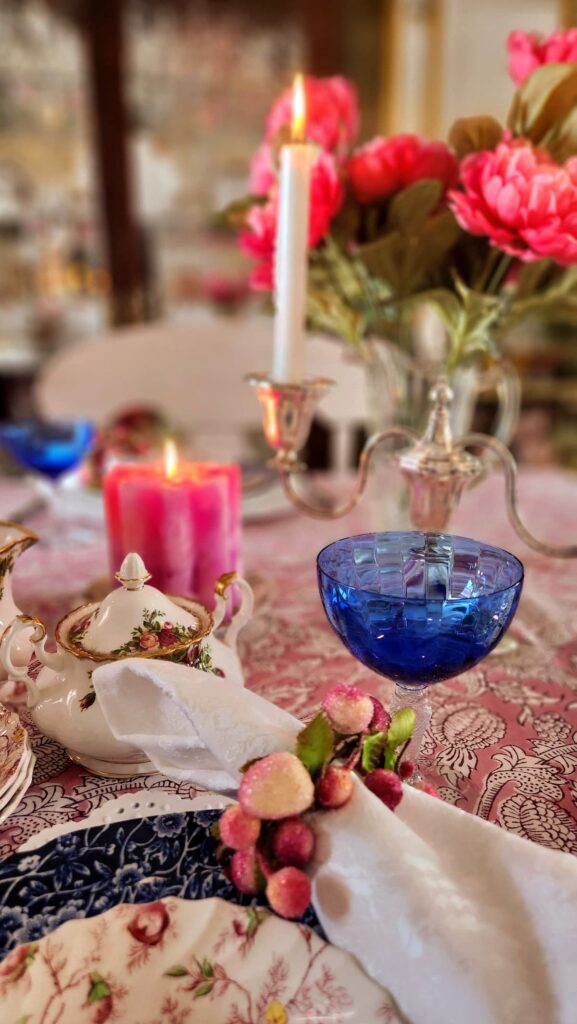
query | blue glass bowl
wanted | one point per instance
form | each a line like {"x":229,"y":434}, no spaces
{"x":418,"y":607}
{"x":48,"y":448}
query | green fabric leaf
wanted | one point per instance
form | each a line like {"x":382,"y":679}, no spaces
{"x":98,"y":989}
{"x":543,"y":101}
{"x":204,"y":989}
{"x":253,"y":921}
{"x":372,"y":751}
{"x":178,"y":971}
{"x":410,"y":208}
{"x":401,"y":727}
{"x":471,"y":134}
{"x":315,"y":743}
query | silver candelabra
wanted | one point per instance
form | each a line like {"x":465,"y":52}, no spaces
{"x":436,"y":466}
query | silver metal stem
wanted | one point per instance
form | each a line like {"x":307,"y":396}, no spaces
{"x":328,"y":511}
{"x":510,"y":468}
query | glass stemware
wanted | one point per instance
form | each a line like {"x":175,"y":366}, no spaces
{"x":418,"y":608}
{"x":51,"y":449}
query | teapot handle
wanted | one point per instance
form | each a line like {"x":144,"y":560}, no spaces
{"x":242,"y":615}
{"x":38,"y":641}
{"x":21,"y":623}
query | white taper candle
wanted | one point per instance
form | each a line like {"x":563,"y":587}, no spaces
{"x":291,"y":258}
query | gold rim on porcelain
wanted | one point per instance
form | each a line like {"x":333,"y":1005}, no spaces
{"x":156,"y":652}
{"x":27,"y":536}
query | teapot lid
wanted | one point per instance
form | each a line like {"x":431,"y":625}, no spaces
{"x":137,"y":620}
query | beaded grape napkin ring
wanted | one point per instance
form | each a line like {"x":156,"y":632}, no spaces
{"x":265,"y":842}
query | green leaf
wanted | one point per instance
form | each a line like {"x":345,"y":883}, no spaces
{"x":178,"y":971}
{"x":24,"y":1019}
{"x":234,"y":215}
{"x":207,"y":969}
{"x":410,"y":208}
{"x":215,"y":830}
{"x":204,"y":989}
{"x":247,"y":764}
{"x":561,"y":139}
{"x":98,"y":989}
{"x":401,"y":727}
{"x":253,"y":921}
{"x":372,"y":751}
{"x":315,"y":743}
{"x":543,"y":101}
{"x":471,"y":134}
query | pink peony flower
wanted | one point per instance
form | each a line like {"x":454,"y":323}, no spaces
{"x":148,"y":640}
{"x":522,"y":200}
{"x":149,"y":923}
{"x":258,"y":241}
{"x":332,"y":113}
{"x":383,"y":166}
{"x":528,"y":50}
{"x":262,"y":171}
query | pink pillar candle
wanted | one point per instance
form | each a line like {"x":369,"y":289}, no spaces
{"x":184,"y":522}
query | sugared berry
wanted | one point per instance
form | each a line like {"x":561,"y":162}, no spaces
{"x":289,"y":892}
{"x":406,"y":770}
{"x":381,"y":719}
{"x":237,"y":829}
{"x":334,"y":787}
{"x":293,"y":843}
{"x":277,"y":786}
{"x":386,"y":785}
{"x":245,"y":873}
{"x":349,"y":709}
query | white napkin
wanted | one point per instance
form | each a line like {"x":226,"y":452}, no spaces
{"x":459,"y":920}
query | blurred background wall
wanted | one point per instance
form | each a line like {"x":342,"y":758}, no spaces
{"x":125,"y":124}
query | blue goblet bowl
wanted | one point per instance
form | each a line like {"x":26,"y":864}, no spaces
{"x":418,"y":607}
{"x":52,"y":448}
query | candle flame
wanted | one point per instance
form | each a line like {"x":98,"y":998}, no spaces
{"x":299,"y":110}
{"x":170,"y":459}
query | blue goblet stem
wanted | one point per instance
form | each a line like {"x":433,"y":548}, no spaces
{"x":417,"y":698}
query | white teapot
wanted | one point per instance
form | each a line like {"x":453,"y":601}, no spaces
{"x":135,"y":620}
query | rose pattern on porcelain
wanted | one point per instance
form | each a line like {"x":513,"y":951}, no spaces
{"x":174,"y":960}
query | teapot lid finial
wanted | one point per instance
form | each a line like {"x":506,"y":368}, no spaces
{"x":133,"y":573}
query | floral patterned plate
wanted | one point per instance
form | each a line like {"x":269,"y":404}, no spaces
{"x":89,"y":871}
{"x":177,"y":961}
{"x":13,"y":747}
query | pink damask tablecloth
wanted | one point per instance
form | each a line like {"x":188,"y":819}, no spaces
{"x":503,"y":736}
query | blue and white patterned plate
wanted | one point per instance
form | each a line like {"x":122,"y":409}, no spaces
{"x":84,"y":873}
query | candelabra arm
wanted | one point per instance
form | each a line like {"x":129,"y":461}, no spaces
{"x":510,"y":468}
{"x":326,"y":511}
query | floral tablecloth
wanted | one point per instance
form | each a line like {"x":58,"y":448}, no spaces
{"x":503,"y":736}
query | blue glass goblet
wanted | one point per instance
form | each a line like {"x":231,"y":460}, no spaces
{"x":52,"y":450}
{"x":418,"y":607}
